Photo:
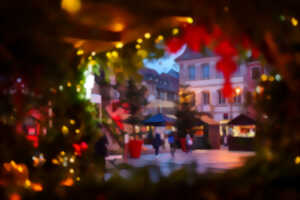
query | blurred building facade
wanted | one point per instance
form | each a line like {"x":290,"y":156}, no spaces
{"x":162,"y":91}
{"x":198,"y":72}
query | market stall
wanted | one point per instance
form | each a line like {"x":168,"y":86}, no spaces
{"x":242,"y":133}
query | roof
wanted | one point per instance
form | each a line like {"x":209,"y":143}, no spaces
{"x":242,"y":120}
{"x":162,"y":81}
{"x":158,"y":120}
{"x":188,"y":54}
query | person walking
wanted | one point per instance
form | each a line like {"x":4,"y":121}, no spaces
{"x":156,"y":144}
{"x":171,"y":140}
{"x":189,"y":142}
{"x":101,"y":150}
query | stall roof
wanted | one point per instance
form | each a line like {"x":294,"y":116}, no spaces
{"x":242,"y":120}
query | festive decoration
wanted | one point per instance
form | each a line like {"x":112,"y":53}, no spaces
{"x":80,"y":148}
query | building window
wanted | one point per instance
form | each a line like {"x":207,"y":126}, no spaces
{"x":219,"y":74}
{"x":237,"y":99}
{"x":221,"y":98}
{"x":255,"y":73}
{"x":205,"y":71}
{"x":192,"y":74}
{"x":205,"y":98}
{"x":170,"y":96}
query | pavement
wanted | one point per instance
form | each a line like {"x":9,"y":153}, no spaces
{"x":205,"y":160}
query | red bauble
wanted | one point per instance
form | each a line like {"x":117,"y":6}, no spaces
{"x":227,"y":89}
{"x":227,"y":66}
{"x":174,"y":45}
{"x":225,"y":49}
{"x":195,"y":37}
{"x":80,"y":148}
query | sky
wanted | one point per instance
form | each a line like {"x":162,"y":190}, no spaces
{"x":166,"y":63}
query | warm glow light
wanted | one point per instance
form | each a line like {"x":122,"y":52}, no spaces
{"x":78,"y":88}
{"x":159,"y":39}
{"x":93,"y":53}
{"x":114,"y":54}
{"x":294,"y":21}
{"x":71,"y":171}
{"x":147,"y":35}
{"x":67,"y":182}
{"x":77,"y":131}
{"x":264,"y":77}
{"x":190,"y":20}
{"x":140,"y":40}
{"x":55,"y":161}
{"x":62,"y":153}
{"x":117,"y":27}
{"x":80,"y":52}
{"x":64,"y":129}
{"x":27,"y":183}
{"x":175,"y":31}
{"x":271,"y":78}
{"x":69,"y":84}
{"x":259,"y":89}
{"x":37,"y":187}
{"x":72,"y":159}
{"x":119,"y":45}
{"x":71,"y":6}
{"x":15,"y":196}
{"x":108,"y":55}
{"x":297,"y":160}
{"x":238,"y":90}
{"x":78,"y":178}
{"x":72,"y":121}
{"x":137,"y":46}
{"x":89,"y":81}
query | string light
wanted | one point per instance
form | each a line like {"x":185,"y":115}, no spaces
{"x":62,"y":153}
{"x":119,"y":45}
{"x":264,"y":77}
{"x":147,"y":35}
{"x":93,"y":53}
{"x":294,"y":21}
{"x":175,"y":31}
{"x":71,"y":6}
{"x":159,"y":39}
{"x":61,"y":88}
{"x":64,"y":129}
{"x":297,"y":160}
{"x":108,"y":54}
{"x":271,"y":78}
{"x":80,"y":52}
{"x":69,"y":84}
{"x":78,"y":88}
{"x":72,"y":121}
{"x":77,"y":178}
{"x":140,"y":40}
{"x":190,"y":20}
{"x":137,"y":46}
{"x":114,"y":54}
{"x":71,"y":171}
{"x":77,"y":131}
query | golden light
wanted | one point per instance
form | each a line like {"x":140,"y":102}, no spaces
{"x":238,"y":90}
{"x":77,"y":178}
{"x":159,"y":39}
{"x":79,"y":52}
{"x":62,"y":153}
{"x":64,"y":129}
{"x":297,"y":160}
{"x":72,"y":121}
{"x":108,"y":54}
{"x":117,"y":27}
{"x":27,"y":183}
{"x":55,"y":161}
{"x":77,"y":131}
{"x":142,"y":53}
{"x":78,"y":88}
{"x":71,"y":6}
{"x":137,"y":46}
{"x":72,"y":159}
{"x":147,"y":35}
{"x":294,"y":21}
{"x":114,"y":54}
{"x":264,"y":77}
{"x":67,"y":182}
{"x":69,"y":84}
{"x":140,"y":40}
{"x":93,"y":53}
{"x":71,"y":171}
{"x":119,"y":45}
{"x":37,"y":187}
{"x":190,"y":20}
{"x":175,"y":31}
{"x":271,"y":78}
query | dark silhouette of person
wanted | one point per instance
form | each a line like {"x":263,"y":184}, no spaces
{"x":156,"y":143}
{"x":101,"y":150}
